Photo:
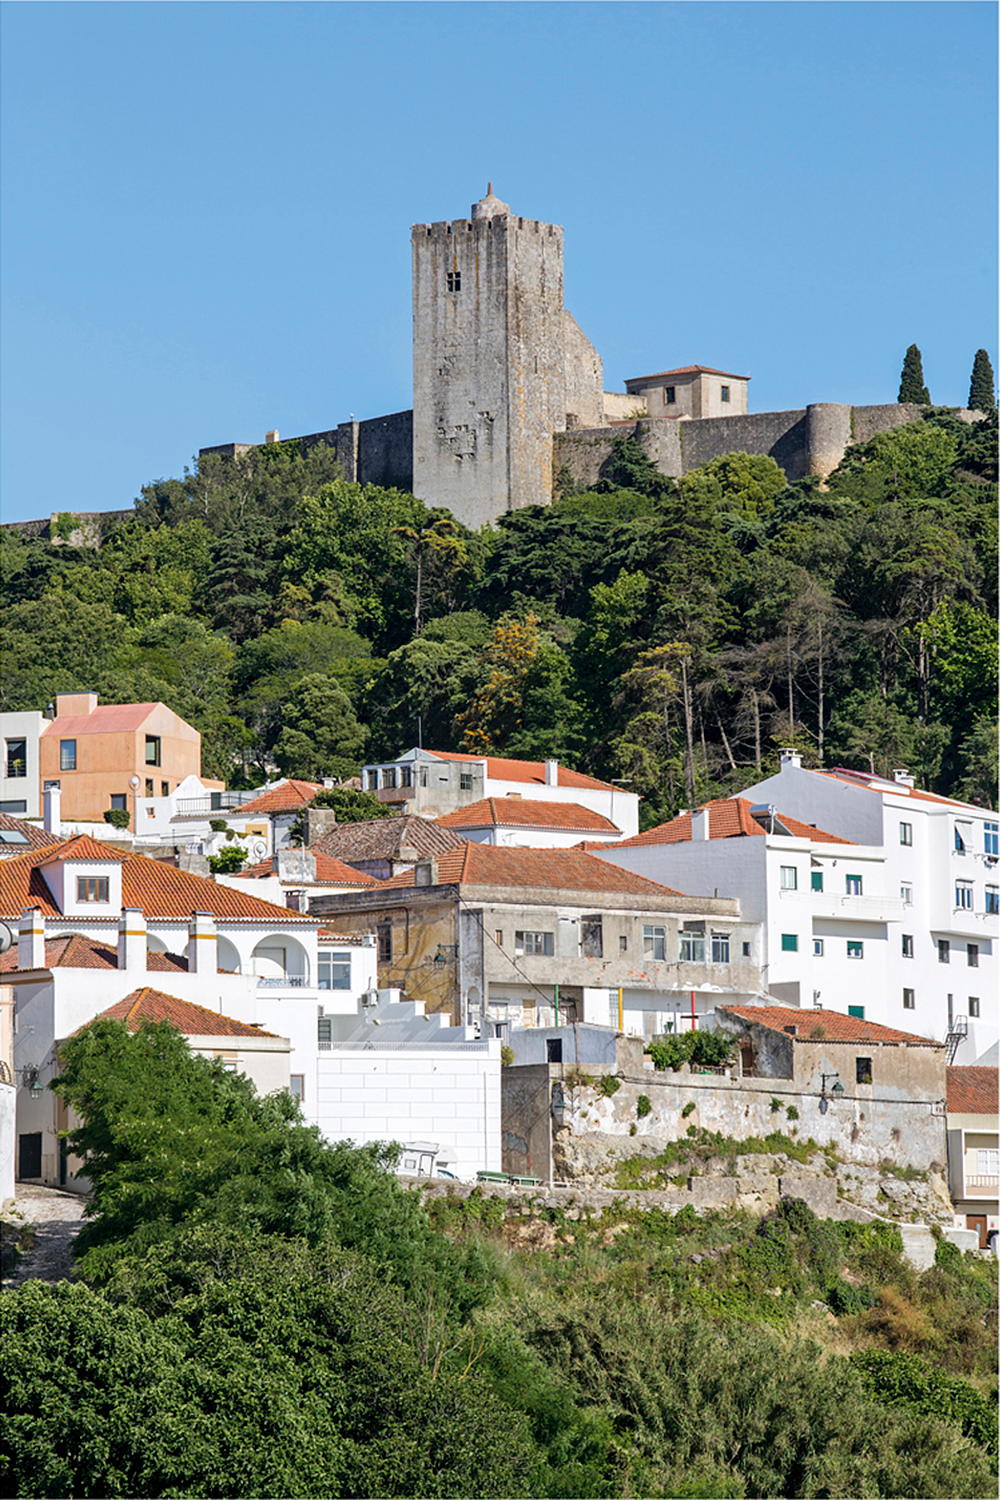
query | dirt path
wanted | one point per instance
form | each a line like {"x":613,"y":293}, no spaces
{"x":55,"y":1217}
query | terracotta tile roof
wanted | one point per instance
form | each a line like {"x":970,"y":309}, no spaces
{"x":79,"y":952}
{"x":686,"y":370}
{"x":329,"y":871}
{"x":158,"y":889}
{"x":972,"y":1091}
{"x":386,"y":838}
{"x":107,"y":718}
{"x":886,"y":787}
{"x":193,"y":1020}
{"x":728,"y":818}
{"x":835,"y":1026}
{"x":553,"y":869}
{"x":287,"y":796}
{"x":527,"y":812}
{"x":82,"y":846}
{"x":30,"y":835}
{"x":501,"y":769}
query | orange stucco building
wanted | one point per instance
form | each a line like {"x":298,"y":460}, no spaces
{"x":106,"y":756}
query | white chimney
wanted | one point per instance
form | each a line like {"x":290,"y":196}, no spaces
{"x":31,"y":939}
{"x":52,"y":808}
{"x":203,"y":944}
{"x":699,"y":825}
{"x":790,"y":757}
{"x":902,"y":775}
{"x":132,"y":939}
{"x":425,"y":872}
{"x":551,"y":773}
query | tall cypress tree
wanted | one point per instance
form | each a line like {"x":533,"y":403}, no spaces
{"x":982,"y":394}
{"x":911,"y":381}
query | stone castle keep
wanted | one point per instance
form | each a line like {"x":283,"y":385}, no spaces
{"x":508,"y":390}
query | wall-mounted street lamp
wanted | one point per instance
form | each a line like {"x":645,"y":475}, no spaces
{"x":444,"y":952}
{"x":836,"y":1089}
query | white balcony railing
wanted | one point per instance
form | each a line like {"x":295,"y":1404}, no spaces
{"x":985,"y":1184}
{"x":281,"y":981}
{"x":835,"y":907}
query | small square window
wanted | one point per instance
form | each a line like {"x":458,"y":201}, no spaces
{"x":818,"y":947}
{"x":724,"y":393}
{"x":789,"y":878}
{"x":944,"y":951}
{"x":692,"y":947}
{"x":852,"y":885}
{"x":907,"y":944}
{"x":972,"y":955}
{"x":789,"y":942}
{"x":67,"y":755}
{"x":152,"y":749}
{"x":974,"y":1006}
{"x":669,"y":395}
{"x":453,"y":280}
{"x":816,"y":880}
{"x":92,"y":888}
{"x":863,"y":1069}
{"x":906,"y":833}
{"x":909,"y":999}
{"x":465,"y":781}
{"x":119,"y":801}
{"x":855,"y":948}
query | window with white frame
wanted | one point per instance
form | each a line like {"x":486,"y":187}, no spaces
{"x":789,"y":878}
{"x":906,"y":893}
{"x":92,"y":888}
{"x":334,"y":971}
{"x":405,"y":776}
{"x":855,"y":948}
{"x":720,"y":947}
{"x":465,"y":781}
{"x":963,"y":833}
{"x":372,"y":779}
{"x":818,"y":947}
{"x":963,"y":895}
{"x":906,"y":833}
{"x":692,"y":947}
{"x":988,"y":1162}
{"x":297,"y":1086}
{"x":389,"y":778}
{"x":991,"y":838}
{"x":654,"y":942}
{"x":993,"y":900}
{"x":540,"y":944}
{"x":853,"y":885}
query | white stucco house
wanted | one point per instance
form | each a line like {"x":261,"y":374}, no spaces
{"x":530,"y":823}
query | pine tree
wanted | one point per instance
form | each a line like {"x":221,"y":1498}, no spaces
{"x":911,"y":381}
{"x":982,"y":395}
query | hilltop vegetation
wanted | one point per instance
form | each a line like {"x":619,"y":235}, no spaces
{"x":263,"y":1314}
{"x":672,"y":633}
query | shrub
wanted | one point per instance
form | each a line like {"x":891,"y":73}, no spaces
{"x":609,"y":1085}
{"x":908,"y":1380}
{"x":792,"y":1112}
{"x":118,"y":817}
{"x":643,"y":1106}
{"x":228,"y":860}
{"x":506,"y":1056}
{"x":218,"y":825}
{"x":709,"y":1048}
{"x":775,"y":1105}
{"x":843,"y":1299}
{"x":688,"y":1109}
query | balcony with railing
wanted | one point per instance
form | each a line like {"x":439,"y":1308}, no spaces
{"x":214,"y":802}
{"x":837,"y":906}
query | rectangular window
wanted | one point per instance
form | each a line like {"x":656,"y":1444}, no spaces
{"x":746,"y":950}
{"x":974,"y":1006}
{"x":372,"y":779}
{"x":541,"y":944}
{"x":989,"y":1162}
{"x":389,"y":777}
{"x":654,"y":942}
{"x":591,"y":937}
{"x":789,"y":942}
{"x":324,"y":1033}
{"x":150,"y":786}
{"x":972,"y":955}
{"x":906,"y":833}
{"x":818,"y":947}
{"x":164,"y":788}
{"x":692,"y":947}
{"x":67,"y":755}
{"x":623,"y":944}
{"x":852,"y":885}
{"x":669,"y":395}
{"x":906,"y":894}
{"x":119,"y":801}
{"x":297,"y":1086}
{"x":963,"y":895}
{"x":907,"y":943}
{"x":725,"y":393}
{"x":855,"y":948}
{"x":993,"y":899}
{"x":383,"y":937}
{"x":14,"y":806}
{"x":863,"y":1069}
{"x":423,"y":775}
{"x":152,"y":749}
{"x":405,"y":776}
{"x":465,"y":781}
{"x":453,"y":280}
{"x":909,"y":999}
{"x":16,"y":759}
{"x":857,"y":1011}
{"x":961,"y":836}
{"x":944,"y":951}
{"x":720,"y":948}
{"x":498,"y":937}
{"x":92,"y":888}
{"x":816,"y":880}
{"x":991,"y":838}
{"x":335,"y":971}
{"x":789,"y":878}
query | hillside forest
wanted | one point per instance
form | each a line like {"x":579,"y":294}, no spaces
{"x":670,"y":634}
{"x":259,"y":1312}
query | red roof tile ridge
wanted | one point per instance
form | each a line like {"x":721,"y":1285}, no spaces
{"x":835,"y":1025}
{"x":81,"y":846}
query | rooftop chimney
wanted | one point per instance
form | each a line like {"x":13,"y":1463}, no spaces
{"x":51,"y":808}
{"x":425,"y":872}
{"x":902,"y":775}
{"x":699,"y":825}
{"x":203,"y":944}
{"x":75,"y":703}
{"x":132,"y":939}
{"x":551,"y":773}
{"x":789,"y":756}
{"x":31,"y":939}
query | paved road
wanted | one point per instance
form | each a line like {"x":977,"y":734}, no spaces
{"x":56,"y":1216}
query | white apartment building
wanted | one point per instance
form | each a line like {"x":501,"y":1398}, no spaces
{"x":942,"y":861}
{"x":433,"y":783}
{"x":19,"y":773}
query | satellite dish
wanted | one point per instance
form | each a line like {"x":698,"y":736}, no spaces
{"x":6,"y":937}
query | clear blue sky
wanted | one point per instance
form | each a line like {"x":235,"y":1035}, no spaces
{"x":207,"y":206}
